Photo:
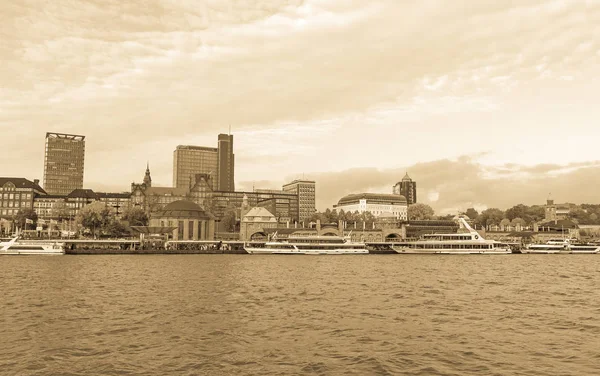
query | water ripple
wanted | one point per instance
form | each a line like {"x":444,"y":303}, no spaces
{"x":246,"y":315}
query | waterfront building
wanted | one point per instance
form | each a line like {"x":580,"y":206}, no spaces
{"x":256,"y":221}
{"x":305,"y":190}
{"x":225,"y":172}
{"x":63,"y":163}
{"x":407,"y":188}
{"x":60,"y":207}
{"x":375,"y":203}
{"x":191,"y":222}
{"x":51,"y":207}
{"x":190,"y":160}
{"x":17,"y":194}
{"x":555,"y":212}
{"x":218,"y":163}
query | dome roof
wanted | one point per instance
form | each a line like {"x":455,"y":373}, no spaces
{"x":182,"y":209}
{"x":373,"y":198}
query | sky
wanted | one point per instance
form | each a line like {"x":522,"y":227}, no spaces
{"x":484,"y":103}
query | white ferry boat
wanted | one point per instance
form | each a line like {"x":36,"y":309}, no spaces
{"x":467,"y":243}
{"x":15,"y":246}
{"x":554,"y":246}
{"x":310,"y":245}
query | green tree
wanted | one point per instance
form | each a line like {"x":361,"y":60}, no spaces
{"x":136,"y":217}
{"x":419,"y":212}
{"x":94,"y":217}
{"x":22,"y":216}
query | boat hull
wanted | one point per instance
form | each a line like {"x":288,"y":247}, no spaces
{"x":273,"y":251}
{"x":408,"y":251}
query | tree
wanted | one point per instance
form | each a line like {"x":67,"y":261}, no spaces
{"x":517,"y":222}
{"x":505,"y":222}
{"x":94,"y":217}
{"x":229,"y":220}
{"x":472,"y":213}
{"x":419,"y":212}
{"x":490,"y":217}
{"x":136,"y":217}
{"x":60,"y":211}
{"x":24,"y":214}
{"x":115,"y":229}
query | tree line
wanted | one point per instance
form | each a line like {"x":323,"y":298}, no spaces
{"x":95,"y":219}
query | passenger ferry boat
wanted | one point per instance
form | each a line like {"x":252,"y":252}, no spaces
{"x":554,"y":246}
{"x":309,"y":245}
{"x":15,"y":246}
{"x":453,"y":244}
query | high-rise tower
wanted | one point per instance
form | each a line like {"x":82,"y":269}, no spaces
{"x":63,"y":163}
{"x":407,"y":188}
{"x":305,"y":190}
{"x":225,"y":174}
{"x":191,"y":160}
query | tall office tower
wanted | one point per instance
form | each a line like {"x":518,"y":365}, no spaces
{"x":407,"y":188}
{"x":225,"y":174}
{"x":305,"y":189}
{"x":191,"y":160}
{"x":63,"y":163}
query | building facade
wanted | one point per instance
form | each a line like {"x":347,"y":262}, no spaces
{"x":63,"y":163}
{"x":407,"y":188}
{"x":225,"y":172}
{"x":191,"y":160}
{"x":218,"y":163}
{"x":305,"y":190}
{"x":191,"y":222}
{"x":17,"y":194}
{"x":556,"y":212}
{"x":377,"y":204}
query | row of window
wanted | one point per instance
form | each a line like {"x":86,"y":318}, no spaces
{"x":16,"y":196}
{"x":15,"y":204}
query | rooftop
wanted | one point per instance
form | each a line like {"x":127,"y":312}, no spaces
{"x":21,"y":183}
{"x":378,"y":197}
{"x":182,"y":209}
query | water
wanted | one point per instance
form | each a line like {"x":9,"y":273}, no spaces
{"x":322,"y":315}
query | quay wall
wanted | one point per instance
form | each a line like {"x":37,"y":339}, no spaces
{"x":152,"y":252}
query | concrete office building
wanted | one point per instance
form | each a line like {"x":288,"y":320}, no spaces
{"x":190,"y":160}
{"x":63,"y":163}
{"x":305,"y":190}
{"x":407,"y":188}
{"x":218,"y":163}
{"x":225,"y":173}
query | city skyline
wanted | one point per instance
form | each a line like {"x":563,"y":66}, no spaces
{"x":485,"y":105}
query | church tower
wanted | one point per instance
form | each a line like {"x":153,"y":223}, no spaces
{"x":147,"y":178}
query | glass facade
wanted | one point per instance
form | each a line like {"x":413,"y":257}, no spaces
{"x":306,"y":193}
{"x":191,"y":160}
{"x":63,"y":163}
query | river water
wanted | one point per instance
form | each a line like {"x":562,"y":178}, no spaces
{"x":279,"y":315}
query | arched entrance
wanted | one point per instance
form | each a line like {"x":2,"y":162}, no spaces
{"x":393,"y":237}
{"x":258,"y":236}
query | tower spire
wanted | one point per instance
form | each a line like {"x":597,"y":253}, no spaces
{"x":147,"y":177}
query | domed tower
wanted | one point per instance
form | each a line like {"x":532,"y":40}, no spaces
{"x":147,"y":178}
{"x":407,"y":188}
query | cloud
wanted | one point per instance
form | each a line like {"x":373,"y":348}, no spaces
{"x":304,"y":83}
{"x":452,"y":185}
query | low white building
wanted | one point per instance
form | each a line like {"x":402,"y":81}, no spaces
{"x":376,"y":204}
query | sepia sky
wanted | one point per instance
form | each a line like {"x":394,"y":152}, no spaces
{"x":485,"y":103}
